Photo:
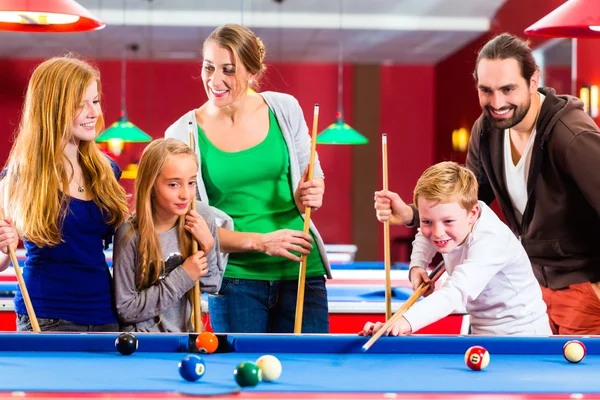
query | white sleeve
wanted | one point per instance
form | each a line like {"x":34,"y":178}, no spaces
{"x":486,"y":256}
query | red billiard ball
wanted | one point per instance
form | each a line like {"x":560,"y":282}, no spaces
{"x":207,"y":342}
{"x":477,"y":358}
{"x":574,"y":351}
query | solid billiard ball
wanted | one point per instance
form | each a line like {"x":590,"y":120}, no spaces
{"x":207,"y":342}
{"x":477,"y":358}
{"x":126,"y":343}
{"x":192,"y":368}
{"x":574,"y":351}
{"x":270,"y":367}
{"x":247,"y":374}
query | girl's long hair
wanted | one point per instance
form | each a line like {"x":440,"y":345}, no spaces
{"x":36,"y":177}
{"x":154,"y":157}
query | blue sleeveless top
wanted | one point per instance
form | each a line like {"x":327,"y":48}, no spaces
{"x":71,"y":281}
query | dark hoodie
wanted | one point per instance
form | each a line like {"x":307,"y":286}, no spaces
{"x":560,"y":229}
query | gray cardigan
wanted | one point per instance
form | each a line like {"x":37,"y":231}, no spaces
{"x":295,"y":133}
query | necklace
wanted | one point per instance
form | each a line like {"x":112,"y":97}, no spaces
{"x":81,"y":189}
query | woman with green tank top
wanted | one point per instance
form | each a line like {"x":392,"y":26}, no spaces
{"x":254,"y":151}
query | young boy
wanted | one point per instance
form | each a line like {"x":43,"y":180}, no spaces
{"x":489,"y":272}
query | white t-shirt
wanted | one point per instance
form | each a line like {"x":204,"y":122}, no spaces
{"x":516,"y":175}
{"x":490,"y":275}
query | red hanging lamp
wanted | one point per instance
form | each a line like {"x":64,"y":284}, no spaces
{"x":573,"y":19}
{"x":46,"y":16}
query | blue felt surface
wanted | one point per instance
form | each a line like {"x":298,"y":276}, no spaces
{"x":311,"y":363}
{"x":157,"y":372}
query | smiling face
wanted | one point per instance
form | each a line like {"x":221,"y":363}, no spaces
{"x":86,"y":116}
{"x":225,"y":80}
{"x":504,"y":95}
{"x":175,"y":187}
{"x":446,"y":225}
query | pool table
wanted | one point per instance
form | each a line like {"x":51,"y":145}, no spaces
{"x":314,"y":366}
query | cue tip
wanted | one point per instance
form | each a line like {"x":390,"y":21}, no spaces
{"x":364,"y":349}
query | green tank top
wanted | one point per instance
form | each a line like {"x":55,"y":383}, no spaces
{"x":254,"y":188}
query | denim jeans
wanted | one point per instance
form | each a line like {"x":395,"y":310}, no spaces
{"x":250,"y":306}
{"x":60,"y":325}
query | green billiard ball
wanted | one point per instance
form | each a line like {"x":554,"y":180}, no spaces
{"x":247,"y":374}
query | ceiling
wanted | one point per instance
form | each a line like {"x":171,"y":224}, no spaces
{"x":370,"y":32}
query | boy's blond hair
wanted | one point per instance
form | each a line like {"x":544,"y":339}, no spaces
{"x":447,"y":182}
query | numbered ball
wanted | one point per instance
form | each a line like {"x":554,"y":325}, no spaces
{"x":270,"y":367}
{"x":207,"y":342}
{"x":192,"y":368}
{"x":574,"y":351}
{"x":477,"y":358}
{"x":247,"y":374}
{"x":126,"y":343}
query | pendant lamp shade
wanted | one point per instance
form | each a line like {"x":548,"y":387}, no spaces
{"x":124,"y":130}
{"x":573,"y":19}
{"x":46,"y":16}
{"x":340,"y":133}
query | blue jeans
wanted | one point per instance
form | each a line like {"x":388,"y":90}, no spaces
{"x":60,"y":325}
{"x":249,"y":306}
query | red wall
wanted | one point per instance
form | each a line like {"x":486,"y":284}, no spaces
{"x":408,"y":117}
{"x":588,"y":57}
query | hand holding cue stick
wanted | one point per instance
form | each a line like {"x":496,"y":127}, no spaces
{"x":386,"y":236}
{"x":196,"y":294}
{"x":434,"y":276}
{"x":30,"y":312}
{"x":307,"y":211}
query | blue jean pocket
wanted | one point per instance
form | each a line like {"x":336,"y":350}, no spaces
{"x":226,"y":286}
{"x":317,"y":286}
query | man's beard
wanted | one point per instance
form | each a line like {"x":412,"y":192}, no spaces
{"x":519,"y":114}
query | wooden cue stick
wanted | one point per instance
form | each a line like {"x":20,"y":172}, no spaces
{"x":30,"y":312}
{"x":434,"y":276}
{"x":386,"y":237}
{"x":307,"y":211}
{"x":196,"y":294}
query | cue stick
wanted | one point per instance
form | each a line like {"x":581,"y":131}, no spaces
{"x":434,"y":276}
{"x":30,"y":312}
{"x":386,"y":236}
{"x":307,"y":211}
{"x":196,"y":294}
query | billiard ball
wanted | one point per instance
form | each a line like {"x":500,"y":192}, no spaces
{"x":126,"y":343}
{"x":477,"y":358}
{"x":247,"y":374}
{"x":207,"y":342}
{"x":270,"y":367}
{"x":574,"y":351}
{"x":192,"y":368}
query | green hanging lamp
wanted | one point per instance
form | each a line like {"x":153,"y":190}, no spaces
{"x":341,"y":133}
{"x":123,"y":130}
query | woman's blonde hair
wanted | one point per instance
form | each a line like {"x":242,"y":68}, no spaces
{"x":36,"y":176}
{"x":246,"y":47}
{"x":447,"y":182}
{"x":154,"y":157}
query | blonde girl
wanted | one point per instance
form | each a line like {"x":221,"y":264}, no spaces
{"x":61,"y":194}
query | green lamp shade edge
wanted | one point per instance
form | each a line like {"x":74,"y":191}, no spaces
{"x":125,"y":131}
{"x":341,"y":133}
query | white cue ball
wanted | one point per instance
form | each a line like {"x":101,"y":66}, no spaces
{"x":270,"y":367}
{"x":574,"y":351}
